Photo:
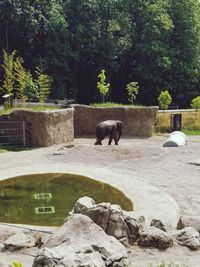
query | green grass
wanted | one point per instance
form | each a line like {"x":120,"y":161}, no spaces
{"x":191,"y":131}
{"x":33,"y":108}
{"x":13,"y":148}
{"x":112,"y":104}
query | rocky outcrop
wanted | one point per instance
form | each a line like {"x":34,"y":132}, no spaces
{"x":111,"y":218}
{"x":80,"y":242}
{"x":91,"y":234}
{"x":187,"y":237}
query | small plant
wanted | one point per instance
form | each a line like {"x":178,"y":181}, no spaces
{"x":43,"y":83}
{"x":132,"y":89}
{"x":16,"y":264}
{"x":196,"y":103}
{"x":102,"y":86}
{"x":164,"y":99}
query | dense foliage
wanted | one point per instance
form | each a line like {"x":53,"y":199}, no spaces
{"x":153,"y":42}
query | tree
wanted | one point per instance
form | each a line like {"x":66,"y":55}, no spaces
{"x":9,"y":77}
{"x":185,"y":46}
{"x":102,"y":86}
{"x":43,"y":83}
{"x":132,"y":89}
{"x":149,"y":55}
{"x":20,"y":78}
{"x":164,"y":99}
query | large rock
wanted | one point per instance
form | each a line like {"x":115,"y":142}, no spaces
{"x":187,"y":237}
{"x":111,"y":219}
{"x":154,"y":237}
{"x":176,"y":139}
{"x":80,"y":242}
{"x":189,"y":221}
{"x":20,"y":240}
{"x":83,"y":204}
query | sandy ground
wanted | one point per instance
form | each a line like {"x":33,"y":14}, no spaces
{"x":174,"y":170}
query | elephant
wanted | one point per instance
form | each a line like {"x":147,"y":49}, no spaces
{"x":111,"y":128}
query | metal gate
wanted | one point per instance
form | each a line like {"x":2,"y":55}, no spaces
{"x":13,"y":133}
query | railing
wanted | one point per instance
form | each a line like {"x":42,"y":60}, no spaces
{"x":13,"y":133}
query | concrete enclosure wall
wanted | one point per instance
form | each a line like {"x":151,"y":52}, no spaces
{"x":45,"y":128}
{"x":137,"y":121}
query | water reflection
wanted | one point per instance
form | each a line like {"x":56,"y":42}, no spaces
{"x":46,"y":199}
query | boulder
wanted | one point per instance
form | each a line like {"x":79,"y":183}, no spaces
{"x":83,"y":204}
{"x":19,"y":240}
{"x":153,"y":237}
{"x":176,"y":139}
{"x":112,"y":220}
{"x":80,"y":242}
{"x":189,"y":221}
{"x":187,"y":237}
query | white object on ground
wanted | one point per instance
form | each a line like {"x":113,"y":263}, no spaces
{"x":176,"y":139}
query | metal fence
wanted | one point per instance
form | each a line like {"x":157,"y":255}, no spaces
{"x":13,"y":133}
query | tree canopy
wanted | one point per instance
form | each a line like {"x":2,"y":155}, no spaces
{"x":152,"y":42}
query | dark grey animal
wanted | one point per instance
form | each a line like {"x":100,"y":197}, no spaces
{"x":111,"y":128}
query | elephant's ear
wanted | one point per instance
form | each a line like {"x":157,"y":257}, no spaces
{"x":119,"y":125}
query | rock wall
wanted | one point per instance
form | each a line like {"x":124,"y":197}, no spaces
{"x":45,"y":128}
{"x":137,"y":121}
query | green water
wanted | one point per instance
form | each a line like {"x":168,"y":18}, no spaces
{"x":20,"y":202}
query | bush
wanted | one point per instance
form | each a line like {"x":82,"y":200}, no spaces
{"x":196,"y":103}
{"x":164,"y":99}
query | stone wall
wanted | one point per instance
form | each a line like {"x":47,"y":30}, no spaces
{"x":137,"y":121}
{"x":45,"y":128}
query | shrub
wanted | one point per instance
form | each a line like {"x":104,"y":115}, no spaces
{"x":196,"y":103}
{"x":164,"y":99}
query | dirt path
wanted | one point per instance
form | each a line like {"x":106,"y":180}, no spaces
{"x":174,"y":170}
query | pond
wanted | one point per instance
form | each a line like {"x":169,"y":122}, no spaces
{"x":46,"y":199}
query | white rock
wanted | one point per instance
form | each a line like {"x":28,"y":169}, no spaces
{"x":176,"y":139}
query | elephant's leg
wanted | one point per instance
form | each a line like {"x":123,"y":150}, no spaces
{"x":110,"y":140}
{"x":116,"y":140}
{"x":98,"y":142}
{"x":112,"y":135}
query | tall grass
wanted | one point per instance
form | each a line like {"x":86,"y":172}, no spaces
{"x":190,"y":122}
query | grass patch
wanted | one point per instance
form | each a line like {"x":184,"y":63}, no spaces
{"x":13,"y":148}
{"x":33,"y":108}
{"x":190,"y":122}
{"x":191,"y":131}
{"x":112,"y":104}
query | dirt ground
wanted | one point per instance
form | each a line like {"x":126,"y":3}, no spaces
{"x":176,"y":170}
